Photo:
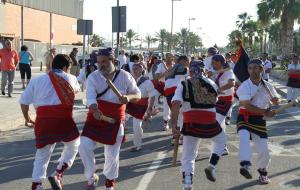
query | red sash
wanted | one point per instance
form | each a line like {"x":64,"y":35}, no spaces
{"x":101,"y":131}
{"x":138,"y":109}
{"x":159,"y":86}
{"x":247,"y":114}
{"x":199,"y":117}
{"x":54,"y":123}
{"x":295,"y":76}
{"x":169,"y":91}
{"x":294,"y":81}
{"x":226,"y":98}
{"x":199,"y":123}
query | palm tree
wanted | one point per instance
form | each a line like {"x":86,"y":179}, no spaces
{"x":243,"y":18}
{"x":162,"y":37}
{"x":194,"y":42}
{"x":182,"y":36}
{"x":96,"y":41}
{"x":149,"y":40}
{"x":250,"y":27}
{"x":287,"y":12}
{"x":131,"y":36}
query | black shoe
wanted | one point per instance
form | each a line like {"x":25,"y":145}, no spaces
{"x":55,"y":182}
{"x":136,"y":149}
{"x":245,"y":171}
{"x":227,"y":121}
{"x":3,"y":93}
{"x":9,"y":95}
{"x":210,"y":174}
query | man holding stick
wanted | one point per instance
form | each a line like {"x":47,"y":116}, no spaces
{"x":197,"y":97}
{"x":52,"y":95}
{"x":108,"y":92}
{"x":225,"y":81}
{"x":142,"y":109}
{"x":255,"y":95}
{"x":160,"y":74}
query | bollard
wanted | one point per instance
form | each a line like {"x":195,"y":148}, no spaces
{"x":41,"y":66}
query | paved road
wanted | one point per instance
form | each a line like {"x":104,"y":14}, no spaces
{"x":150,"y":169}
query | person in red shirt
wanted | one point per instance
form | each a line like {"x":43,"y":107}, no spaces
{"x":9,"y":59}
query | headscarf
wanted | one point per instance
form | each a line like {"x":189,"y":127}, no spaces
{"x":197,"y":68}
{"x":106,"y":52}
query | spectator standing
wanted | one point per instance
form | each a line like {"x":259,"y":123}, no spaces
{"x":75,"y":68}
{"x":9,"y":60}
{"x":25,"y":64}
{"x":49,"y":59}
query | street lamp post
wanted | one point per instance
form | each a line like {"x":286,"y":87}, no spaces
{"x":172,"y":24}
{"x":188,"y":44}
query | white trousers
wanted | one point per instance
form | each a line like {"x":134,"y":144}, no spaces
{"x":261,"y":146}
{"x":221,"y":120}
{"x":235,"y":102}
{"x":137,"y":132}
{"x":292,"y":93}
{"x":190,"y":150}
{"x":43,"y":155}
{"x":166,"y":112}
{"x":111,"y":154}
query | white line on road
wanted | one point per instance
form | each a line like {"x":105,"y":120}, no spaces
{"x":144,"y":182}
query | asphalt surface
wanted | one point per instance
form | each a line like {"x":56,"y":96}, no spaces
{"x":151,"y":168}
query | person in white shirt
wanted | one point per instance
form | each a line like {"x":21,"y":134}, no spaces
{"x":143,"y":108}
{"x":255,"y":96}
{"x":197,"y":97}
{"x":101,"y":100}
{"x":293,"y":79}
{"x":267,"y":66}
{"x":52,"y":95}
{"x":159,"y":75}
{"x":207,"y":61}
{"x":133,"y":59}
{"x":226,"y":82}
{"x":122,"y":58}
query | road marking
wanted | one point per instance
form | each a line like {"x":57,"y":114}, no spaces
{"x":144,"y":182}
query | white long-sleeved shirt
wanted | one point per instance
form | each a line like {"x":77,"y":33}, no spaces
{"x":40,"y":91}
{"x":223,"y":80}
{"x":258,"y":95}
{"x":147,"y":89}
{"x":96,"y":83}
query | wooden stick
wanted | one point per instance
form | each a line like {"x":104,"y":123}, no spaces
{"x":175,"y":151}
{"x":114,"y":88}
{"x":108,"y":119}
{"x":286,"y":106}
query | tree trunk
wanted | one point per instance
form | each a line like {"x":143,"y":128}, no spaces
{"x":287,"y":27}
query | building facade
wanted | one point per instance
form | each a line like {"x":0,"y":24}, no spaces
{"x":42,"y":20}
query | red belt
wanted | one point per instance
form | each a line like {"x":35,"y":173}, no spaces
{"x":294,"y":76}
{"x":199,"y":117}
{"x":247,"y":114}
{"x":226,"y":98}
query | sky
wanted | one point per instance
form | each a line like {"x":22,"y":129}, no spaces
{"x":214,"y":19}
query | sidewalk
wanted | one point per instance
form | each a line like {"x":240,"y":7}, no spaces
{"x":10,"y":112}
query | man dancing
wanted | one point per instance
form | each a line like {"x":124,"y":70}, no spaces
{"x":197,"y":96}
{"x":52,"y":95}
{"x":255,"y":95}
{"x":226,"y":82}
{"x":144,"y":106}
{"x":102,"y":100}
